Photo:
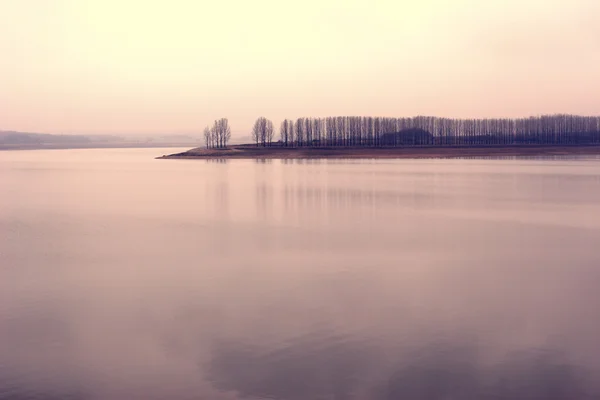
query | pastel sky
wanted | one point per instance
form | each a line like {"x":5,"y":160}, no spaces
{"x":154,"y":66}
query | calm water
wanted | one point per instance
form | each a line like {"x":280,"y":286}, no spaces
{"x":125,"y":277}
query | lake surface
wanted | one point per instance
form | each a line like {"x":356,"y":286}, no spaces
{"x":126,"y":277}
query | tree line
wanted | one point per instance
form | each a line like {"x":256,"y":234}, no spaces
{"x":559,"y":129}
{"x":423,"y":131}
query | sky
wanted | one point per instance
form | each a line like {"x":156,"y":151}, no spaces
{"x":154,"y":66}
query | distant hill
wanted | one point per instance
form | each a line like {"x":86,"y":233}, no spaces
{"x":30,"y":140}
{"x":241,"y":139}
{"x":27,"y":138}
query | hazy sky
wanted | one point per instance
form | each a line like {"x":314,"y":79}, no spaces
{"x":149,"y":66}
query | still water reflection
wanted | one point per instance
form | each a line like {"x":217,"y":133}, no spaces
{"x":125,"y":277}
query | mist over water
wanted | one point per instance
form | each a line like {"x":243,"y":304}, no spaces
{"x":126,"y":277}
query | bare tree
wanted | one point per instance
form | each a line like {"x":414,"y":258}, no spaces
{"x":226,"y":131}
{"x":291,"y":132}
{"x":269,"y":130}
{"x":284,"y":132}
{"x":256,"y":131}
{"x":207,"y":137}
{"x":214,"y":135}
{"x":299,"y":131}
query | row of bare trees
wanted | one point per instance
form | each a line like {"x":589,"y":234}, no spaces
{"x":423,"y":131}
{"x":218,"y":135}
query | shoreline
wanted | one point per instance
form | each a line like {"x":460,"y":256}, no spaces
{"x":276,"y":152}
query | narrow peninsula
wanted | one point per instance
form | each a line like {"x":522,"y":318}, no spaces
{"x":277,"y":152}
{"x":416,"y":137}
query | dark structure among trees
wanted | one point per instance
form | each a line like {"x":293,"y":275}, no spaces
{"x":408,"y":137}
{"x":432,"y":131}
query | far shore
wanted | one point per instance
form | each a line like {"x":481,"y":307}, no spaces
{"x":248,"y":151}
{"x":90,"y":145}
